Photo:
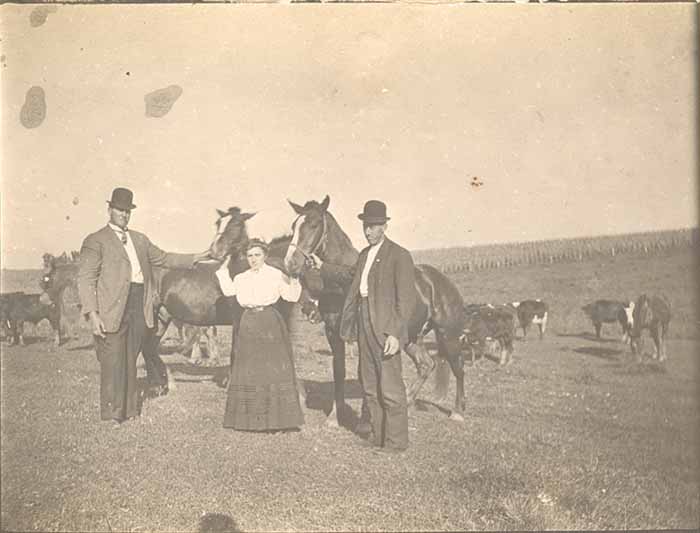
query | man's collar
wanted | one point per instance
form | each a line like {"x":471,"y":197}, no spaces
{"x":379,"y":243}
{"x":117,"y":228}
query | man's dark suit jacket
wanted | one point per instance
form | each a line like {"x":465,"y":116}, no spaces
{"x":392,"y":294}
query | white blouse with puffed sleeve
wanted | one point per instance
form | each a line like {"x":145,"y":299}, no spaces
{"x":257,"y":288}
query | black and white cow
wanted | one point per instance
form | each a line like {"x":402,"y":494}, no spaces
{"x":531,"y":312}
{"x":17,"y":308}
{"x":488,"y":329}
{"x":608,"y":312}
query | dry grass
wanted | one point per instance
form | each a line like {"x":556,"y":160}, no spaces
{"x":575,"y":434}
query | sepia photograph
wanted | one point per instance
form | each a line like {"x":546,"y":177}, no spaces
{"x":332,"y":266}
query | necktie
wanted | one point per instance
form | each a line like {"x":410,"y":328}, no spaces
{"x":122,"y":235}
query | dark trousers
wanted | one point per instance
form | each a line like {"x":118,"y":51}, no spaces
{"x":383,"y":386}
{"x":117,"y":354}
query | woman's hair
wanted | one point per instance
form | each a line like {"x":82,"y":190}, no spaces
{"x":257,"y":243}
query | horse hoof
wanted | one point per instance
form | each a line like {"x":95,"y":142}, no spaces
{"x":456,"y":417}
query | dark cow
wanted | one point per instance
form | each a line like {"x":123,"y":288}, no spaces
{"x":486,"y":326}
{"x":609,"y":311}
{"x":531,"y":312}
{"x":17,"y":308}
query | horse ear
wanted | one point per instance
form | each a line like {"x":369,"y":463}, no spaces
{"x":246,"y":216}
{"x":326,"y":201}
{"x":297,"y":208}
{"x":221,"y":213}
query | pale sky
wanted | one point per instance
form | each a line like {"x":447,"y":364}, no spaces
{"x":578,"y":119}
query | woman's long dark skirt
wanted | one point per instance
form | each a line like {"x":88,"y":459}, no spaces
{"x":262,"y":391}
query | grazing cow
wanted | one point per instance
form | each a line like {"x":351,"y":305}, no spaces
{"x":652,"y":313}
{"x":485,"y":326}
{"x":531,"y":312}
{"x":17,"y":308}
{"x":609,"y":311}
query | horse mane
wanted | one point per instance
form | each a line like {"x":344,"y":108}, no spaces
{"x":343,"y":244}
{"x":281,"y":240}
{"x":345,"y":240}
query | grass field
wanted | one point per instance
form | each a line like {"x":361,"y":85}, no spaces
{"x":574,"y":434}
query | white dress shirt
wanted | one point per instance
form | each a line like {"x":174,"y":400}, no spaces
{"x":136,"y":272}
{"x":371,"y":256}
{"x":257,"y":288}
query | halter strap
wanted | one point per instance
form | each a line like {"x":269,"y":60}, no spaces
{"x":321,"y":242}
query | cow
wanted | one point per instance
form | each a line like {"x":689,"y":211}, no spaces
{"x":610,"y":311}
{"x":17,"y":308}
{"x":531,"y":312}
{"x":652,"y":313}
{"x":487,"y":327}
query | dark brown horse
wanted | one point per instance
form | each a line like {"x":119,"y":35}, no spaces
{"x":194,"y":297}
{"x":439,"y":309}
{"x":653,"y":314}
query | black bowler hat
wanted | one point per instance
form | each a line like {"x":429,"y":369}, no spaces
{"x":122,"y":199}
{"x":374,"y":213}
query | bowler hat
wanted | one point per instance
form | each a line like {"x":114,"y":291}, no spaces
{"x":374,"y":212}
{"x":122,"y":199}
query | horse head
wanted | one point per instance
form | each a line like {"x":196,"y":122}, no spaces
{"x":58,"y":276}
{"x":231,"y":234}
{"x":309,"y":234}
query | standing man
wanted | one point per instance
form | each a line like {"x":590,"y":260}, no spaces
{"x":380,"y":301}
{"x":118,"y":293}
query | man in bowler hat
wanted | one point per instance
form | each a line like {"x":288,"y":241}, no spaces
{"x":118,"y":294}
{"x":381,"y":299}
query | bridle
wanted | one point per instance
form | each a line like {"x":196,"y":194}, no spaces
{"x":320,"y":244}
{"x":220,"y":230}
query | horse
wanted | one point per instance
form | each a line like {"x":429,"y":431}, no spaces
{"x":653,"y":314}
{"x":439,"y":303}
{"x":59,"y":281}
{"x":193,"y":296}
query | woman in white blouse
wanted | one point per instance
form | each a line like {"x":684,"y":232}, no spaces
{"x":262,"y":391}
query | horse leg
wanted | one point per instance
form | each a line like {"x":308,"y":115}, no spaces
{"x":337,"y":345}
{"x":504,"y":353}
{"x":543,"y":325}
{"x":450,"y":350}
{"x":20,"y":332}
{"x":597,"y":326}
{"x":424,"y":367}
{"x":196,"y":356}
{"x":456,"y":361}
{"x":213,"y":344}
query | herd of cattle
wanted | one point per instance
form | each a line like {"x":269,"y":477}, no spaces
{"x":489,"y":330}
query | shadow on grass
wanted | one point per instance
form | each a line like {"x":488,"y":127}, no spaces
{"x":587,"y":336}
{"x":82,"y":348}
{"x":320,"y":394}
{"x":28,"y":340}
{"x":635,"y":368}
{"x":320,"y":397}
{"x":603,"y":353}
{"x":216,"y":371}
{"x":217,"y":523}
